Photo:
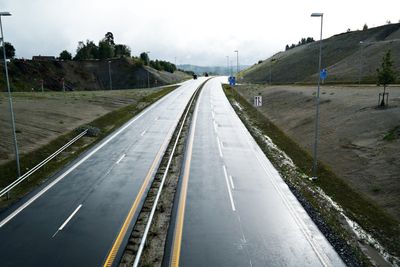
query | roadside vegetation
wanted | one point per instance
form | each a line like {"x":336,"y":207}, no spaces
{"x":369,"y":216}
{"x":100,"y":128}
{"x":93,"y":66}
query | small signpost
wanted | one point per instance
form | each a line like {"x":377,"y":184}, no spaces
{"x":258,"y":101}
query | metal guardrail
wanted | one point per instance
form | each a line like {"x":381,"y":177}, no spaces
{"x":8,"y":188}
{"x":154,"y":207}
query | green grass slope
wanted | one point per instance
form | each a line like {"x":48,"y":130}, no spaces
{"x":342,"y":55}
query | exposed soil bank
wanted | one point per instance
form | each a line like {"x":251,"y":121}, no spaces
{"x":358,"y":141}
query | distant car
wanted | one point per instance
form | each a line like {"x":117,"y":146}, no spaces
{"x":195,"y":76}
{"x":206,"y":74}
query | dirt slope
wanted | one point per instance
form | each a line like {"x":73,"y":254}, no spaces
{"x":359,"y":142}
{"x":342,"y":55}
{"x":126,"y":73}
{"x":42,"y":117}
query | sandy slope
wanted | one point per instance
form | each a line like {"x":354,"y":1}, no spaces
{"x":352,"y":132}
{"x":41,"y":118}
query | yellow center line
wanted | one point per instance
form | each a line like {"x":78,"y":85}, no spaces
{"x":177,"y":239}
{"x":118,"y":241}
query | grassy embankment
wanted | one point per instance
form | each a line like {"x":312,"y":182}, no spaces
{"x":372,"y":218}
{"x":106,"y":124}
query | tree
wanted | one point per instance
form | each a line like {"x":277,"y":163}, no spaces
{"x":121,"y":50}
{"x":10,"y":51}
{"x":145,"y":58}
{"x":287,"y":48}
{"x":365,"y":27}
{"x":386,"y":74}
{"x":106,"y":50}
{"x":109,"y":38}
{"x":309,"y":40}
{"x":86,"y":51}
{"x":65,"y":55}
{"x":156,"y":64}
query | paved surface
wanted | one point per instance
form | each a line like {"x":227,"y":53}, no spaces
{"x":85,"y":212}
{"x":234,"y":209}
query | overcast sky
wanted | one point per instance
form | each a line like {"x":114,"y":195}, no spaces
{"x":195,"y":32}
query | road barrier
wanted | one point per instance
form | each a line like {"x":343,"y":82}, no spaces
{"x":8,"y":188}
{"x":154,"y":207}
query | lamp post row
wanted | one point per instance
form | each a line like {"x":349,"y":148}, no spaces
{"x":316,"y":134}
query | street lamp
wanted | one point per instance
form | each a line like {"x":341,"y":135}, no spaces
{"x":109,"y":73}
{"x":237,"y":65}
{"x":148,"y":72}
{"x":314,"y":171}
{"x":9,"y":94}
{"x":361,"y":50}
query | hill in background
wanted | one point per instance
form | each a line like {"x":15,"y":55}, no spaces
{"x":344,"y":57}
{"x":215,"y":70}
{"x":126,"y":73}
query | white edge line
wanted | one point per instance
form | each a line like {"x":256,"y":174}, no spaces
{"x":219,"y":147}
{"x":215,"y":127}
{"x":70,"y":217}
{"x":320,"y":254}
{"x":59,"y":178}
{"x":303,"y":228}
{"x":300,"y":223}
{"x":229,"y":189}
{"x":119,"y":160}
{"x":231,"y":180}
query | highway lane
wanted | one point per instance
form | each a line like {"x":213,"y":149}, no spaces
{"x":234,"y":209}
{"x":82,"y":216}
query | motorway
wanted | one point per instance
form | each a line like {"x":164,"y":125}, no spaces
{"x":233,"y":208}
{"x":83,"y":215}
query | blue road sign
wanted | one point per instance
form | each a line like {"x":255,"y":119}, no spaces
{"x":232,"y":80}
{"x":323,"y":74}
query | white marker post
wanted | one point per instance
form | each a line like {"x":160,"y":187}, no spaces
{"x":257,"y":102}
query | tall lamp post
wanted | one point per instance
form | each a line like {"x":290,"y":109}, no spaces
{"x":9,"y":95}
{"x":237,"y":65}
{"x":148,"y":72}
{"x":361,"y":50}
{"x":109,"y":73}
{"x":314,"y":170}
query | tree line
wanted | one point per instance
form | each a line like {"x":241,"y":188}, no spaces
{"x":303,"y":41}
{"x":160,"y":65}
{"x":107,"y":48}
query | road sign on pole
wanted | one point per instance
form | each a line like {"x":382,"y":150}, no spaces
{"x":257,"y":101}
{"x":323,"y":74}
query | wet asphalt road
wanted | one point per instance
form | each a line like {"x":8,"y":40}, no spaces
{"x":238,"y":211}
{"x":77,"y":220}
